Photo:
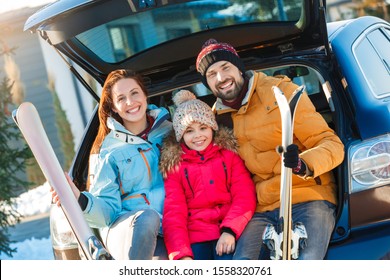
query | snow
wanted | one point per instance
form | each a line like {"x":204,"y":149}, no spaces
{"x":31,"y":249}
{"x":35,"y":202}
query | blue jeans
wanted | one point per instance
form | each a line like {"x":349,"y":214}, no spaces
{"x":206,"y":251}
{"x":318,"y":217}
{"x":133,"y":236}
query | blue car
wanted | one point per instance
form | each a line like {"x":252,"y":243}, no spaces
{"x":345,"y":67}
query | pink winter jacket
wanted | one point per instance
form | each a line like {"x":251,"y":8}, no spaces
{"x":205,"y":192}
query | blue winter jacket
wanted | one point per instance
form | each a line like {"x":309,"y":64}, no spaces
{"x":124,"y":176}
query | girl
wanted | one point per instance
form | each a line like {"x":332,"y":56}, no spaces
{"x":126,"y":189}
{"x":210,"y":196}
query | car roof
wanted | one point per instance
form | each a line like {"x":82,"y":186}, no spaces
{"x":78,"y":28}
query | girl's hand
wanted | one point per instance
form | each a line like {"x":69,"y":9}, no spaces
{"x":186,"y":259}
{"x":226,"y":244}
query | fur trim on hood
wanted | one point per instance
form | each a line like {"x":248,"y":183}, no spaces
{"x":171,"y":151}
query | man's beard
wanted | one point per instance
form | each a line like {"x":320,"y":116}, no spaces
{"x":232,"y":94}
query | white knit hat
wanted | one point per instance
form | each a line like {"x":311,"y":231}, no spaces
{"x":190,"y":110}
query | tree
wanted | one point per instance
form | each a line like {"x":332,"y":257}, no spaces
{"x":33,"y":171}
{"x":64,"y":130}
{"x":14,"y":154}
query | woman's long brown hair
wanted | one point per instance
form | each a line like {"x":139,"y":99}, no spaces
{"x":106,"y":103}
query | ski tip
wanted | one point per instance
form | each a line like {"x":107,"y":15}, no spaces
{"x":300,"y":89}
{"x":21,"y":107}
{"x":25,"y":107}
{"x":277,"y":90}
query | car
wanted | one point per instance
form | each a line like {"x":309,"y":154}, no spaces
{"x":344,"y":65}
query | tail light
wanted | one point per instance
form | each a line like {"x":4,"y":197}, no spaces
{"x":369,"y":163}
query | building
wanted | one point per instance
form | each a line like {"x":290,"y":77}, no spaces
{"x":37,"y":61}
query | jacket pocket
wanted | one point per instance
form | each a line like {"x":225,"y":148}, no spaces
{"x":130,"y":167}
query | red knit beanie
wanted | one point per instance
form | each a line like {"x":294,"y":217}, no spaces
{"x":213,"y":51}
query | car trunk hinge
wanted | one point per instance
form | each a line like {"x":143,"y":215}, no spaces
{"x":323,"y":29}
{"x":78,"y":76}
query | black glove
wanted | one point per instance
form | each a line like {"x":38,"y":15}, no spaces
{"x":292,"y":160}
{"x":291,"y":156}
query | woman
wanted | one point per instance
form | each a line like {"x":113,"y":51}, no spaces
{"x":126,"y":189}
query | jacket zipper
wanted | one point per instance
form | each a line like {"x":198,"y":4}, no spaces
{"x":226,"y":176}
{"x":142,"y":153}
{"x":188,"y":181}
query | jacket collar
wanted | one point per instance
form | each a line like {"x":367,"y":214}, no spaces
{"x":119,"y":132}
{"x":222,"y":108}
{"x":172,"y":152}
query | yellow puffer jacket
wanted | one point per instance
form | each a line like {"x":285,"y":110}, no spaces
{"x":257,"y":126}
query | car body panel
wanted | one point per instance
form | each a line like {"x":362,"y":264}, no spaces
{"x":371,"y":108}
{"x":369,"y":243}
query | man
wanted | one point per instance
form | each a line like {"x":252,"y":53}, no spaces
{"x":245,"y":102}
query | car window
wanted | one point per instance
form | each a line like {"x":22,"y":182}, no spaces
{"x":376,"y":68}
{"x":122,"y":38}
{"x":299,"y":74}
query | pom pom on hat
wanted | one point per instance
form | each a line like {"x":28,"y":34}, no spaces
{"x":183,"y":96}
{"x":189,"y":110}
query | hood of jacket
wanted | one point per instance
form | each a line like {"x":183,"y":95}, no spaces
{"x":172,"y":152}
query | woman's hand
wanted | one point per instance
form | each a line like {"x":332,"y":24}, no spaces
{"x":226,"y":244}
{"x":54,"y":196}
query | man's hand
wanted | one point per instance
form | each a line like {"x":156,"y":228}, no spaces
{"x":291,"y":156}
{"x":292,"y":160}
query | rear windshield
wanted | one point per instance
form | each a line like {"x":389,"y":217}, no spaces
{"x":122,"y":38}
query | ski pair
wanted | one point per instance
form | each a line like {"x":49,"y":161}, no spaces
{"x":27,"y":119}
{"x":285,"y":241}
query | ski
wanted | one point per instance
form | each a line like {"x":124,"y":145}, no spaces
{"x":27,"y":119}
{"x":284,"y":242}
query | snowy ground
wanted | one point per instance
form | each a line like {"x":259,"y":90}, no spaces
{"x":33,"y":203}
